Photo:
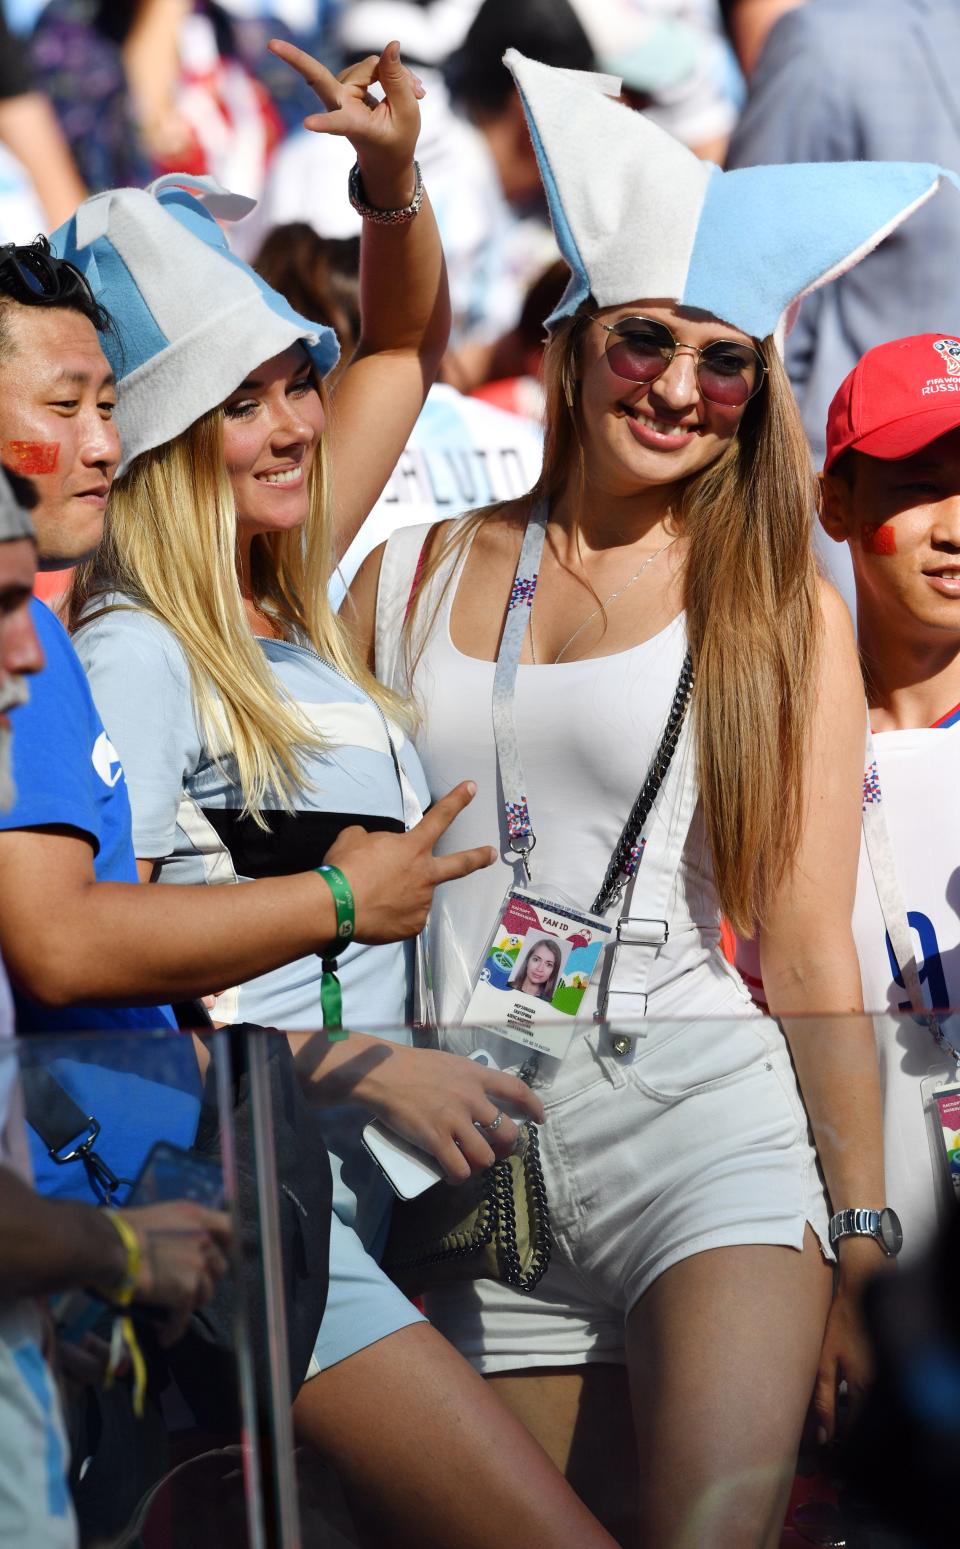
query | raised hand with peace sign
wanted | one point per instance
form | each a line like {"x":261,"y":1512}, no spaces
{"x":404,"y":303}
{"x":383,"y":132}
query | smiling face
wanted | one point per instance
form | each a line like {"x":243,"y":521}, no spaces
{"x":638,"y":436}
{"x":271,"y":432}
{"x":902,"y":522}
{"x":57,"y":397}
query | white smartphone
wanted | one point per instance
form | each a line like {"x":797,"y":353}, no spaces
{"x":407,"y":1169}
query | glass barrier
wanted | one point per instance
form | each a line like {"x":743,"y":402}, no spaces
{"x":662,"y":1222}
{"x":174,"y":1411}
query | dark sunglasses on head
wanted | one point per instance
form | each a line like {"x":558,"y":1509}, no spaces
{"x":35,"y":276}
{"x":639,"y":349}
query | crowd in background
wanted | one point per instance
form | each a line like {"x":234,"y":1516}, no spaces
{"x":97,"y":96}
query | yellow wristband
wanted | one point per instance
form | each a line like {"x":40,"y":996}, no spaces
{"x":123,"y":1294}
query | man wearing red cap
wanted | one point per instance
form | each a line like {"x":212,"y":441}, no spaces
{"x":891,"y":492}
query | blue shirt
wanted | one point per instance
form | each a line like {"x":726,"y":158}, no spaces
{"x":67,"y":774}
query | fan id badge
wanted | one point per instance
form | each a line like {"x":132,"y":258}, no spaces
{"x":535,"y":970}
{"x":941,"y":1106}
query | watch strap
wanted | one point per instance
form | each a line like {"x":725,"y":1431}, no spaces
{"x":854,"y":1223}
{"x":372,"y":212}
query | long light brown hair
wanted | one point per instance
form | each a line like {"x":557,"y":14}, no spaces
{"x":752,"y":616}
{"x":169,"y":545}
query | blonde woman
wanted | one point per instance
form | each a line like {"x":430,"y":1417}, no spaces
{"x":252,"y":739}
{"x":649,"y":616}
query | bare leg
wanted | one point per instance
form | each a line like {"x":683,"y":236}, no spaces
{"x":431,"y":1456}
{"x":581,"y":1417}
{"x":723,"y":1352}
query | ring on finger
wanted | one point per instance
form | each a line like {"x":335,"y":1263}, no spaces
{"x":493,"y":1125}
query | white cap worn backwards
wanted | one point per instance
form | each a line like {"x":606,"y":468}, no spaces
{"x":637,"y":215}
{"x":191,"y":320}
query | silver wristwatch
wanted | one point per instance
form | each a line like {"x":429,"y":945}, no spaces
{"x":883,"y":1225}
{"x":372,"y":212}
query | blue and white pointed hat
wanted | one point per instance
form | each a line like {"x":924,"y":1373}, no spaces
{"x":637,"y":215}
{"x":191,"y":320}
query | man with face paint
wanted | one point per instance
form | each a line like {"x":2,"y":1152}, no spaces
{"x":891,"y":493}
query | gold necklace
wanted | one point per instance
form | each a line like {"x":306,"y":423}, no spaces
{"x":602,"y":608}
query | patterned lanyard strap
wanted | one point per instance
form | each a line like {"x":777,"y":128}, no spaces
{"x":521,"y":838}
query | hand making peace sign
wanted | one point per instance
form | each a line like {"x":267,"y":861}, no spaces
{"x":383,"y":133}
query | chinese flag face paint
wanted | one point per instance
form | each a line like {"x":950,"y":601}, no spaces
{"x":881,"y":540}
{"x":30,"y":457}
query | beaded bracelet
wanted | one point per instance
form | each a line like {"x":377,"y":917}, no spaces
{"x":370,"y":212}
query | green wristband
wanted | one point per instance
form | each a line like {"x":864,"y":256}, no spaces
{"x":331,"y":1000}
{"x":346,"y":911}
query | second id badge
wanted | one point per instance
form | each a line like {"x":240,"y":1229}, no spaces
{"x":941,"y":1104}
{"x":536,"y":966}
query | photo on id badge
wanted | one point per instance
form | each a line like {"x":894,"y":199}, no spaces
{"x":536,"y":968}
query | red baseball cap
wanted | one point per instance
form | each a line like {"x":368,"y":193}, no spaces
{"x":897,"y":399}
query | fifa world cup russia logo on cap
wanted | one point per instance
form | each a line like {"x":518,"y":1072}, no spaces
{"x":949,"y":350}
{"x":895,"y":401}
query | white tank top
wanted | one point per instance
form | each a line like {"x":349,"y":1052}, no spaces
{"x":587,"y":732}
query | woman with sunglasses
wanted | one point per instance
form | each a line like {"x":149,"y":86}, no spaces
{"x":649,"y":619}
{"x":252,"y":739}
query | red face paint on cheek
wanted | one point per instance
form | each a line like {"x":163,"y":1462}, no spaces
{"x":880,"y":540}
{"x":30,"y":456}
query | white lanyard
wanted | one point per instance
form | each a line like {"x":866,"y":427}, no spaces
{"x":521,"y":837}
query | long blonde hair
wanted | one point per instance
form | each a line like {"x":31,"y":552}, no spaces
{"x":169,"y":544}
{"x":752,"y":615}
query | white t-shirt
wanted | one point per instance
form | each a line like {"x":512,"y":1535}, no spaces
{"x":462,"y":453}
{"x":918,"y":774}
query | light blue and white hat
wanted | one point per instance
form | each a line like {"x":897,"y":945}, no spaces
{"x":191,"y":320}
{"x":637,"y":215}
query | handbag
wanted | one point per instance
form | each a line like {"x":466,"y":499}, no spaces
{"x":496,"y":1226}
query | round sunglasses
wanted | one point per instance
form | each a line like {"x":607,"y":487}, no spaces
{"x":639,"y":349}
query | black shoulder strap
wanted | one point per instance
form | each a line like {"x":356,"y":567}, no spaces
{"x":68,"y":1133}
{"x":617,"y":873}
